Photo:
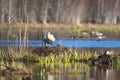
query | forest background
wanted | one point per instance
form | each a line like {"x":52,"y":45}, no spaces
{"x":60,"y":11}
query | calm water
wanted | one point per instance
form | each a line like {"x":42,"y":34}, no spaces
{"x":85,"y":72}
{"x":64,"y":43}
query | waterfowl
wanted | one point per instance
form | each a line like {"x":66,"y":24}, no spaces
{"x":49,"y":38}
{"x":100,"y":37}
{"x":108,"y":52}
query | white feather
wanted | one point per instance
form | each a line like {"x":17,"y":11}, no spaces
{"x":51,"y":36}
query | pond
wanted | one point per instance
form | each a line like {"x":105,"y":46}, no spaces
{"x":65,"y":43}
{"x":61,"y":71}
{"x":67,"y":71}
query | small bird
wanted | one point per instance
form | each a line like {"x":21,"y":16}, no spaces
{"x":49,"y":38}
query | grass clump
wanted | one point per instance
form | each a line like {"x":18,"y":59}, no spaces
{"x":69,"y":56}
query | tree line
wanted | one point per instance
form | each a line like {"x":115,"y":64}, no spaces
{"x":60,"y":11}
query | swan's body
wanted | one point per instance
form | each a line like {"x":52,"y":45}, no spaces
{"x":49,"y":38}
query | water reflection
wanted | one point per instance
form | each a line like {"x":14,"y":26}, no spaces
{"x":26,"y":78}
{"x":66,"y":71}
{"x":106,"y":74}
{"x":50,"y":77}
{"x":90,"y":72}
{"x":10,"y":78}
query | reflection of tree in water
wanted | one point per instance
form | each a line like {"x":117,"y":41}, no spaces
{"x":105,"y":74}
{"x":26,"y":78}
{"x":92,"y":71}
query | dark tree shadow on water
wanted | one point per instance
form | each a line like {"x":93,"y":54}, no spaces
{"x":26,"y":78}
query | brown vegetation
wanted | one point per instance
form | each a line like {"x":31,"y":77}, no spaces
{"x":46,"y":50}
{"x":9,"y":70}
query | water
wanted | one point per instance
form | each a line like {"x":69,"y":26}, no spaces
{"x":85,"y":72}
{"x":65,"y":43}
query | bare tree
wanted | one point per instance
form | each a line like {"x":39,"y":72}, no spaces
{"x":115,"y":11}
{"x":63,"y":11}
{"x":9,"y":7}
{"x":2,"y":11}
{"x":44,"y":10}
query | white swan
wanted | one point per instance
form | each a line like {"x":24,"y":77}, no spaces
{"x":49,"y":38}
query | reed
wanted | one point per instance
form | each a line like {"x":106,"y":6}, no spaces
{"x":66,"y":58}
{"x":71,"y":56}
{"x":118,"y":62}
{"x":2,"y":54}
{"x":51,"y":58}
{"x":42,"y":72}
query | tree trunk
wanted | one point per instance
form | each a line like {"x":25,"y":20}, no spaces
{"x":45,"y":11}
{"x":9,"y":22}
{"x":2,"y":11}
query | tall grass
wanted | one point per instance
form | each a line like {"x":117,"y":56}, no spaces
{"x":71,"y":56}
{"x":118,"y":62}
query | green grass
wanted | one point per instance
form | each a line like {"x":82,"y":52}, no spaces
{"x":71,"y":56}
{"x":73,"y":28}
{"x":118,"y":62}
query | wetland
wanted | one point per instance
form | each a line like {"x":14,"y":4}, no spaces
{"x":76,"y":54}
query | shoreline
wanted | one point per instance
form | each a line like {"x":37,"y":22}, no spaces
{"x":35,"y":31}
